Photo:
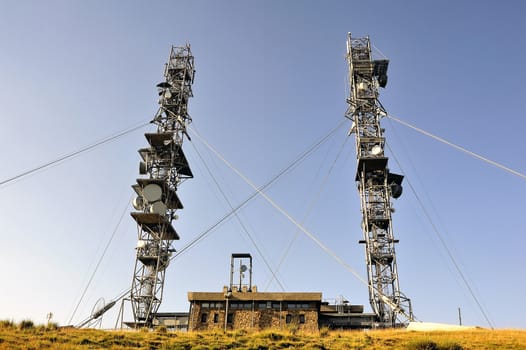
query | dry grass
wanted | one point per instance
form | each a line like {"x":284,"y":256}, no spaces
{"x":13,"y":336}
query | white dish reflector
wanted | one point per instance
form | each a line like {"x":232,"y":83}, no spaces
{"x":158,"y":208}
{"x":152,"y":193}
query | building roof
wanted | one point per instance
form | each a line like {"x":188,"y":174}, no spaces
{"x":255,"y":296}
{"x":170,"y":314}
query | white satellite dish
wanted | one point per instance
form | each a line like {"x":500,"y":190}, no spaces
{"x":152,"y":193}
{"x":158,"y":208}
{"x":362,"y":86}
{"x":376,"y":150}
{"x":138,"y":203}
{"x":141,"y":244}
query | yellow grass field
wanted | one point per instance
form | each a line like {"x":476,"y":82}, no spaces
{"x":40,"y":337}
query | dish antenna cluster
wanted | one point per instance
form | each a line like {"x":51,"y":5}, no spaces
{"x":164,"y":167}
{"x":376,"y":184}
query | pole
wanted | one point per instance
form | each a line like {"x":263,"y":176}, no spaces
{"x":227,"y":295}
{"x":459,"y":317}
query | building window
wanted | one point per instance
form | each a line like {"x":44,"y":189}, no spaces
{"x":216,"y":318}
{"x":210,"y":305}
{"x":204,"y":317}
{"x":230,"y":318}
{"x":300,"y":306}
{"x":302,"y":319}
{"x":288,"y":318}
{"x":241,"y":305}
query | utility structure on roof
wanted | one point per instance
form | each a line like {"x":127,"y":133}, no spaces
{"x":164,"y":167}
{"x":376,"y":184}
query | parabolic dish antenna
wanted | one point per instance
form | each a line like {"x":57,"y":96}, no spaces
{"x":376,"y":150}
{"x":96,"y":312}
{"x":243,"y":268}
{"x":152,"y":193}
{"x":138,"y":203}
{"x":158,"y":208}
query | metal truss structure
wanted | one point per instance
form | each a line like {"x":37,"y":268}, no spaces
{"x":165,"y":167}
{"x":376,"y":184}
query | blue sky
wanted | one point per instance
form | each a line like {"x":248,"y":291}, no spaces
{"x":271,"y":80}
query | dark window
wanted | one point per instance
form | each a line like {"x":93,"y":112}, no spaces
{"x":211,"y":305}
{"x":288,"y":318}
{"x":216,"y":318}
{"x":302,"y":318}
{"x":230,"y":318}
{"x":204,"y":317}
{"x":276,"y":306}
{"x":262,"y":305}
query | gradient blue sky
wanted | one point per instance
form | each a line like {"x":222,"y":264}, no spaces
{"x":271,"y":79}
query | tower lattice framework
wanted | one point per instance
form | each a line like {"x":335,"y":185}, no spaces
{"x":376,"y":184}
{"x":163,"y":166}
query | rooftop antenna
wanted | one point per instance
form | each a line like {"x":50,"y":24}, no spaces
{"x":376,"y":184}
{"x":241,"y":270}
{"x":165,"y":167}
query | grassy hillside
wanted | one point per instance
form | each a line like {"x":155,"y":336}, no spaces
{"x":27,"y":336}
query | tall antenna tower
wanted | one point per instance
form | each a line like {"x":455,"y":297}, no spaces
{"x":165,"y":167}
{"x":375,"y":183}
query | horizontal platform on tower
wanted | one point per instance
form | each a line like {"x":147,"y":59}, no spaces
{"x":363,"y":241}
{"x":169,"y":197}
{"x":147,"y":260}
{"x":370,"y":164}
{"x":181,"y":163}
{"x":160,"y":139}
{"x":157,"y":224}
{"x":382,"y":258}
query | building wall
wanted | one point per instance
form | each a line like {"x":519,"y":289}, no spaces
{"x":178,"y":323}
{"x":253,"y":318}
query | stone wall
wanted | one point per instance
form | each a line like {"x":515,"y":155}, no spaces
{"x":252,"y":319}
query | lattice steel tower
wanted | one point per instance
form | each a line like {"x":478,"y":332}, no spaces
{"x":375,"y":183}
{"x":165,"y":167}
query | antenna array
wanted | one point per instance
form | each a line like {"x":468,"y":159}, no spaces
{"x":164,"y":167}
{"x":376,"y":184}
